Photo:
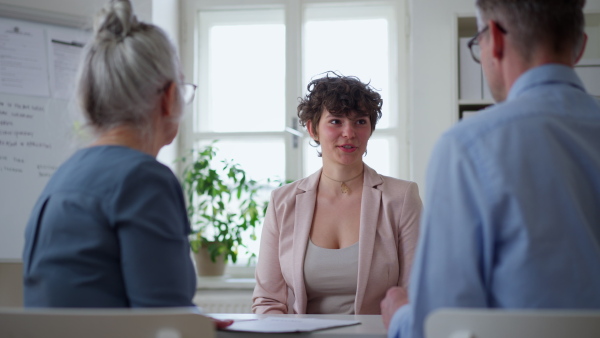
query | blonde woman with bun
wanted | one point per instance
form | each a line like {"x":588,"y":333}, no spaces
{"x":110,"y":228}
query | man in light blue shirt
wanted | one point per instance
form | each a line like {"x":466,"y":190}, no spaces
{"x":512,"y":208}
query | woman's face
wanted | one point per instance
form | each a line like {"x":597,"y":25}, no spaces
{"x":343,"y":138}
{"x":173,"y":113}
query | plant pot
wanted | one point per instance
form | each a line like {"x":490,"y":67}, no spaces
{"x":205,"y":267}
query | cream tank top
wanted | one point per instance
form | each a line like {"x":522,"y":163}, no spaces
{"x":330,"y":277}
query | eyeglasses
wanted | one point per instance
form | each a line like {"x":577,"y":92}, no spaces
{"x":473,"y":44}
{"x":189,"y":91}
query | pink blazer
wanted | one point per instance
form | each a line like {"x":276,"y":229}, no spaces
{"x":389,"y":228}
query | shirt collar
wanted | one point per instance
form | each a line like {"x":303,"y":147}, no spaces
{"x":545,"y":74}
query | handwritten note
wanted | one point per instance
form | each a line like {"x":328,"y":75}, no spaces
{"x":34,"y":140}
{"x":18,"y":128}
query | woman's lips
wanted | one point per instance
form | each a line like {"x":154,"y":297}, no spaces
{"x":347,"y":148}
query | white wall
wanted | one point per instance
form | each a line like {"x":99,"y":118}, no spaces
{"x":80,"y":8}
{"x":432,"y":75}
{"x":166,"y":15}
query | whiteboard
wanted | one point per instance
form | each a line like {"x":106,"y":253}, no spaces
{"x":39,"y":124}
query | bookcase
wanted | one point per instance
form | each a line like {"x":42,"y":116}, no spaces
{"x":588,"y":67}
{"x":471,"y":91}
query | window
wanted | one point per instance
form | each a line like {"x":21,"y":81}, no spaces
{"x":241,"y":77}
{"x":252,"y":59}
{"x":353,"y":40}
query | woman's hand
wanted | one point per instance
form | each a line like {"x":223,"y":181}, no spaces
{"x":395,"y":298}
{"x":221,"y":323}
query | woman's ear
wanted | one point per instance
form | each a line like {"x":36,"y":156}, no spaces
{"x":311,"y":131}
{"x":168,"y":101}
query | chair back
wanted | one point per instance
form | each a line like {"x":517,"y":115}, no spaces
{"x":11,"y":283}
{"x":104,"y":323}
{"x":491,"y":323}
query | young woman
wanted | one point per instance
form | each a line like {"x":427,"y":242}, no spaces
{"x":336,"y":241}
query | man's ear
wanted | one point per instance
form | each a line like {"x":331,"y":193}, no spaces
{"x":167,"y":101}
{"x":497,"y":39}
{"x":578,"y":57}
{"x":311,"y":131}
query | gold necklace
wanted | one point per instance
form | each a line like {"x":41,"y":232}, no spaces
{"x":344,"y":187}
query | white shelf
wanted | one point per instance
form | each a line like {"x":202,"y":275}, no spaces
{"x":588,"y":62}
{"x":474,"y":102}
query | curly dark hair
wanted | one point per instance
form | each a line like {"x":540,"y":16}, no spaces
{"x":341,"y":96}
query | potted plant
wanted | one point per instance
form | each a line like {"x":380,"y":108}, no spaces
{"x":223,"y":205}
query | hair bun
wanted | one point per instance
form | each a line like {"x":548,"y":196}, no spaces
{"x":115,"y":19}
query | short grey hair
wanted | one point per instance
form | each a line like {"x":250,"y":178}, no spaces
{"x":126,"y":67}
{"x":555,"y":24}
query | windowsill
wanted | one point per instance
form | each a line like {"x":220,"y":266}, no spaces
{"x":239,"y":271}
{"x":225,"y":283}
{"x":236,"y":277}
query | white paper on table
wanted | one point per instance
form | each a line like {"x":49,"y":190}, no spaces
{"x":283,"y":325}
{"x":23,"y":68}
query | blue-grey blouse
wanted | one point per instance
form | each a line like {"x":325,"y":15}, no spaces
{"x":109,"y":230}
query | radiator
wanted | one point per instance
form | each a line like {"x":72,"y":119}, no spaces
{"x":220,"y":307}
{"x":224,"y":301}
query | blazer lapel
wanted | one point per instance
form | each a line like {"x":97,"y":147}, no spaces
{"x":369,"y":214}
{"x":305,"y":208}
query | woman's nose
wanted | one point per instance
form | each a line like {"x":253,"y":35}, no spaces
{"x":348,"y":130}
